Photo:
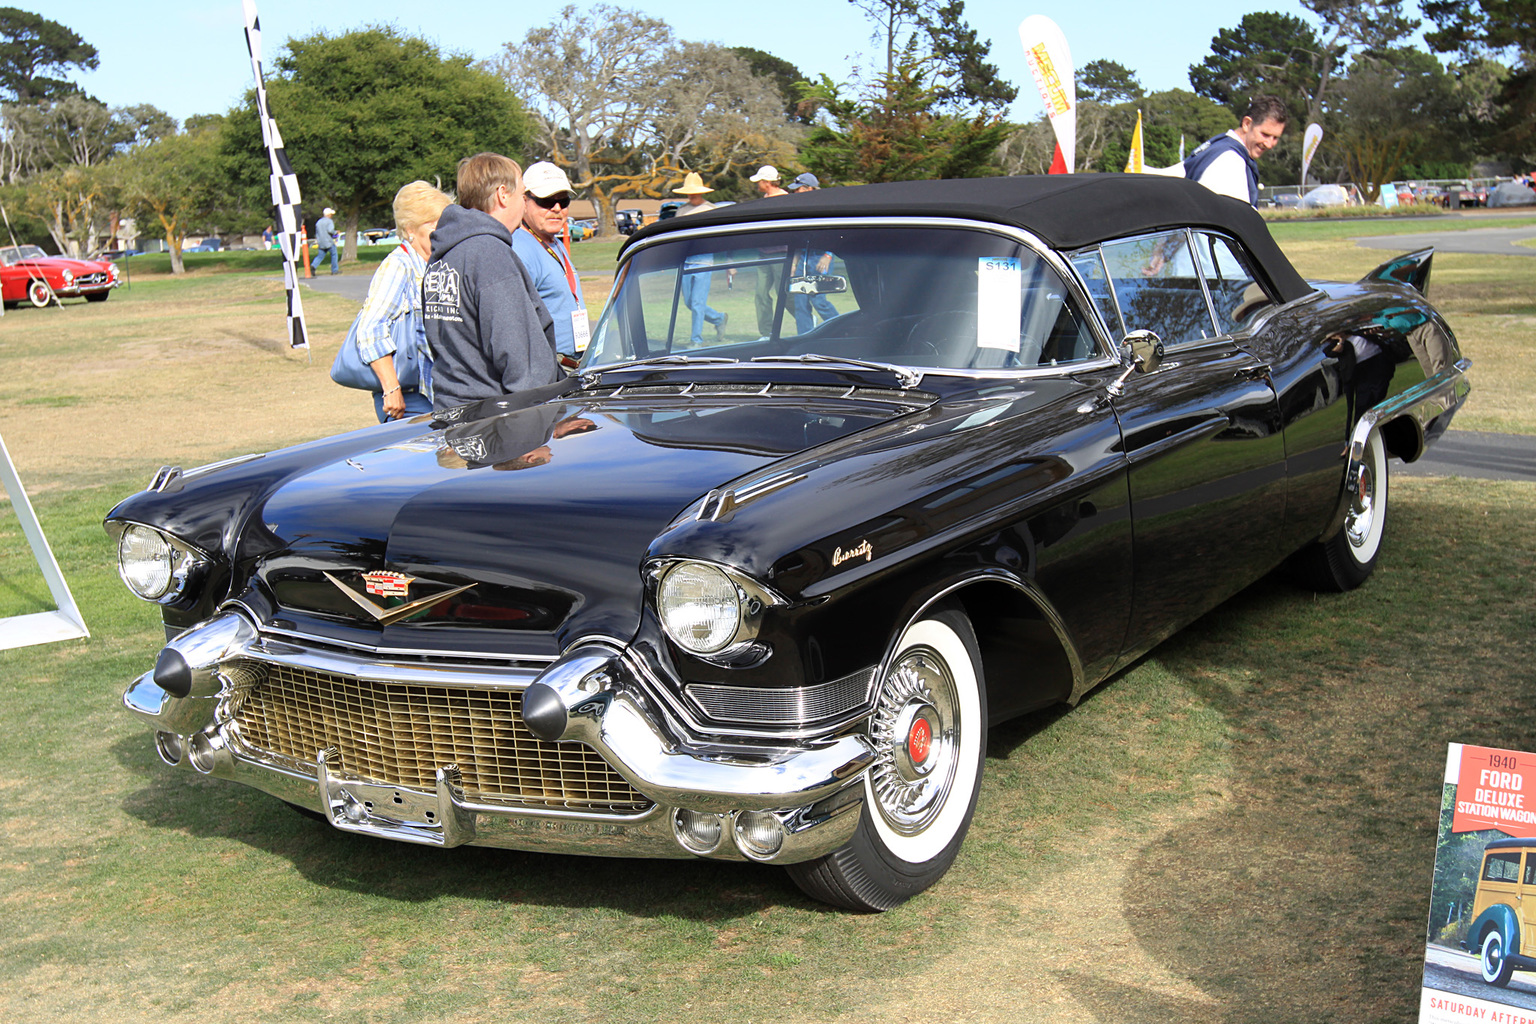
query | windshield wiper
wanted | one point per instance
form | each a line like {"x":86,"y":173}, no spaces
{"x":907,"y":377}
{"x":674,"y":359}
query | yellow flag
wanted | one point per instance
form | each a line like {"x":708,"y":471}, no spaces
{"x":1138,"y":155}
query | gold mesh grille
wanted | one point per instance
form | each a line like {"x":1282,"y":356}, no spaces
{"x":399,"y":734}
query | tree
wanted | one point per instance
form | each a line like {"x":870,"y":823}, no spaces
{"x":627,"y":110}
{"x":1106,"y":81}
{"x":1483,"y":28}
{"x":964,"y":77}
{"x":176,"y":183}
{"x":785,"y":77}
{"x":31,"y":45}
{"x":1393,"y":107}
{"x":1266,"y":53}
{"x":893,"y":133}
{"x":73,"y":131}
{"x":364,"y":112}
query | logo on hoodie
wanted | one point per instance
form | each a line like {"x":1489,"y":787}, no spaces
{"x":440,"y":293}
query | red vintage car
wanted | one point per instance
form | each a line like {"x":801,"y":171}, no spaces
{"x":29,"y":274}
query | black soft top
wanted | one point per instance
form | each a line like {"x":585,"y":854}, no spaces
{"x":1068,"y":211}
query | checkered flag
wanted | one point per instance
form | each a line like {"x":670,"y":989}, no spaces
{"x":285,"y":185}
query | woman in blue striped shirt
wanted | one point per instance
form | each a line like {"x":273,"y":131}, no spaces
{"x":395,"y":292}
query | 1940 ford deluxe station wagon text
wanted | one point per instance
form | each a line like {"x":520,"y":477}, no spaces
{"x":756,"y":589}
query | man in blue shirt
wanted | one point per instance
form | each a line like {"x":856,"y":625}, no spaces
{"x":538,"y":243}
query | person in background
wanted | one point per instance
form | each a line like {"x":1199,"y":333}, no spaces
{"x":538,"y":243}
{"x":325,"y":241}
{"x":808,"y":264}
{"x":696,"y":285}
{"x":1229,"y":164}
{"x":767,"y":181}
{"x":266,"y":237}
{"x":395,"y":291}
{"x":489,"y":332}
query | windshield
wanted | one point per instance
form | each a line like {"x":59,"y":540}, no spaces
{"x":17,"y":253}
{"x":944,"y":298}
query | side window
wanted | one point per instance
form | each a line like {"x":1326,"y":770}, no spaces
{"x":1530,"y":871}
{"x":1236,"y":296}
{"x":1501,"y":867}
{"x":1090,"y":267}
{"x":1156,"y":282}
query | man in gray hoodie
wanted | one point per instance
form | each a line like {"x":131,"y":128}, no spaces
{"x":489,"y":331}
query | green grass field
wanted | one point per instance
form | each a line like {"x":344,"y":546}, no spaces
{"x":1238,"y":828}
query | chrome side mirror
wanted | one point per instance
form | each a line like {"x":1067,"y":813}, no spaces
{"x":1140,"y":352}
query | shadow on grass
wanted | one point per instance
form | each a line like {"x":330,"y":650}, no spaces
{"x":694,"y":889}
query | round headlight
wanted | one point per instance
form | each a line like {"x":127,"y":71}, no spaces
{"x":699,"y":607}
{"x":144,"y":561}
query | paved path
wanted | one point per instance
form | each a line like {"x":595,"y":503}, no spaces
{"x":1482,"y":241}
{"x":1472,"y":453}
{"x":354,"y":287}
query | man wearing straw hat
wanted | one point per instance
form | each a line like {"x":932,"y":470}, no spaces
{"x":696,"y":282}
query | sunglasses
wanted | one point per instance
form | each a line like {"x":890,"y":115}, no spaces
{"x":550,"y":202}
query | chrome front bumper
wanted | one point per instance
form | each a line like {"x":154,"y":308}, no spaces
{"x":814,"y":790}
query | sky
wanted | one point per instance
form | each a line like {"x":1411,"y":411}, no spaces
{"x":188,"y":56}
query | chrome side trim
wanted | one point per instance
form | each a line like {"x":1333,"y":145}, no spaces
{"x":1432,"y":397}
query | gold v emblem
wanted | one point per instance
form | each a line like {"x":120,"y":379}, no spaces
{"x":386,"y":616}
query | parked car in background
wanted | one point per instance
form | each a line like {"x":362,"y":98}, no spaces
{"x":758,"y":597}
{"x":668,"y":209}
{"x":206,"y":245}
{"x":1325,"y":196}
{"x":27,"y":274}
{"x":581,"y":229}
{"x":628,"y":221}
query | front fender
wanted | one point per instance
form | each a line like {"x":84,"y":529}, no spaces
{"x":1502,"y":917}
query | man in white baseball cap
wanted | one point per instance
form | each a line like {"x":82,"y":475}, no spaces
{"x":767,"y":181}
{"x":540,"y":245}
{"x":325,"y":240}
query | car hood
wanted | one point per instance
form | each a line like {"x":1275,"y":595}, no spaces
{"x":545,"y":513}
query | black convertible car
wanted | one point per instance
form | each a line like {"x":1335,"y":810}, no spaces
{"x":844,"y":478}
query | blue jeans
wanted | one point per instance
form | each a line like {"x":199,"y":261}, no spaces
{"x":696,"y":298}
{"x":415,"y":402}
{"x":804,"y":304}
{"x":320,"y":256}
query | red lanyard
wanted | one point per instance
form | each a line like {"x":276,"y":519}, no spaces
{"x":570,"y":274}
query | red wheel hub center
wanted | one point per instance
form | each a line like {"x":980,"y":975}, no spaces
{"x":919,"y":740}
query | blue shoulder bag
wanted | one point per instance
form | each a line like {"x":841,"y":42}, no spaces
{"x":350,"y":371}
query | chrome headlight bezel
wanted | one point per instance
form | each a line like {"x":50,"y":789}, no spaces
{"x":181,"y":562}
{"x":742,"y":602}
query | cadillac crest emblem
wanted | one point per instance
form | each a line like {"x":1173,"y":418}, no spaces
{"x":387,"y":584}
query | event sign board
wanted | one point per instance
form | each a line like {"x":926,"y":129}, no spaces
{"x":1480,"y":953}
{"x":37,"y":627}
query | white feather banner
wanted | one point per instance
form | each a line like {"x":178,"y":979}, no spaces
{"x":1050,"y":62}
